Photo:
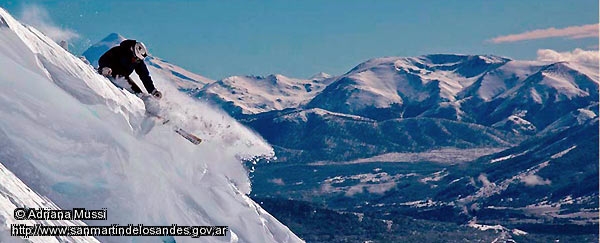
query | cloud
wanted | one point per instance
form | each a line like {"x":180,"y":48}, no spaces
{"x":327,"y":188}
{"x":353,"y":190}
{"x":277,"y":181}
{"x":577,"y":55}
{"x":572,"y":32}
{"x":381,"y":188}
{"x":535,"y":180}
{"x":39,"y":18}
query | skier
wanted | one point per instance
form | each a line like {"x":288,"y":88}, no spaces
{"x":120,"y":61}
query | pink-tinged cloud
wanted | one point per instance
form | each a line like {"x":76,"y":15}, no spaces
{"x":572,"y":32}
{"x":589,"y":57}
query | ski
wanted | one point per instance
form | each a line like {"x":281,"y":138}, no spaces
{"x":183,"y":133}
{"x":190,"y":137}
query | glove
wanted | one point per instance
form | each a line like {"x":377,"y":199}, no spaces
{"x":106,"y":71}
{"x":151,"y":104}
{"x":157,"y":94}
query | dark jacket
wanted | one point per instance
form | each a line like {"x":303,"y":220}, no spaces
{"x":122,"y":62}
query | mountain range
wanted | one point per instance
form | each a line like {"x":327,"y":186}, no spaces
{"x":470,"y":139}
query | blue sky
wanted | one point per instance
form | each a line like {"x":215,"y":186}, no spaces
{"x":300,"y":38}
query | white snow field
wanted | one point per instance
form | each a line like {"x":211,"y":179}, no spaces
{"x":76,"y":141}
{"x":15,"y":194}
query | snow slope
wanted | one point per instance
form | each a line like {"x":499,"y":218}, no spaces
{"x":257,"y":94}
{"x":76,"y":139}
{"x":15,"y":194}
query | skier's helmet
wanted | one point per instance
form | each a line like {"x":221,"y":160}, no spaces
{"x":140,"y":51}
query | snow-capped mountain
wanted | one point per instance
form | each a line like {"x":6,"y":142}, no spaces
{"x":484,"y":95}
{"x":320,"y":76}
{"x":76,"y":141}
{"x":407,"y":86}
{"x":459,"y":87}
{"x":483,"y":89}
{"x":545,"y":95}
{"x":256,"y":94}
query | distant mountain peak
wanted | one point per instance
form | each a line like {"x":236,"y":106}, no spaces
{"x":93,"y":53}
{"x":320,"y":76}
{"x":113,"y":37}
{"x":455,"y":58}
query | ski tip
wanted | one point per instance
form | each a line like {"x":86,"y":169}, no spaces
{"x":188,"y":136}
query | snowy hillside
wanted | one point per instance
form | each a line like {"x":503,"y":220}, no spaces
{"x":255,"y":94}
{"x":15,"y":194}
{"x":76,"y":140}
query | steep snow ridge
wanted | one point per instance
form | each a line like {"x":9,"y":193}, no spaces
{"x":373,"y":63}
{"x":76,"y":139}
{"x":589,"y":69}
{"x":565,"y":84}
{"x":505,"y":77}
{"x":51,"y":59}
{"x":563,"y":80}
{"x":256,"y":94}
{"x":377,"y":89}
{"x":15,"y":194}
{"x":429,"y":69}
{"x":458,"y":73}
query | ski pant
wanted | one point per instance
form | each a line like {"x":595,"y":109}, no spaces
{"x":125,"y":82}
